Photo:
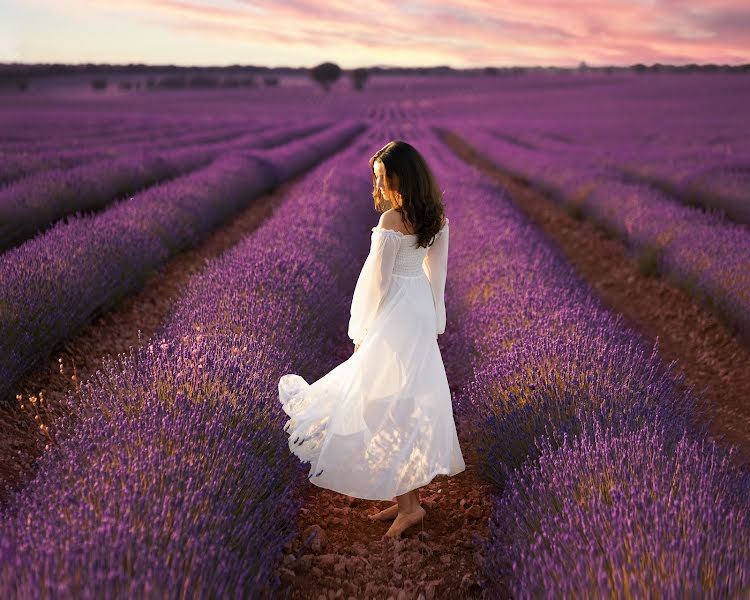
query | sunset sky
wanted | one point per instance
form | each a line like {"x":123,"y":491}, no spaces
{"x":303,"y":33}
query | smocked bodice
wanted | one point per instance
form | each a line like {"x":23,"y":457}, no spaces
{"x":396,"y":263}
{"x":409,"y":258}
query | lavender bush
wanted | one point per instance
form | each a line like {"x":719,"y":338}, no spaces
{"x":39,"y":131}
{"x":170,"y":482}
{"x":715,"y":182}
{"x":701,"y":252}
{"x":621,"y":514}
{"x":548,"y":354}
{"x":686,"y":136}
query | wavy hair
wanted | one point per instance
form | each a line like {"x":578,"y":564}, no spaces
{"x":422,"y":200}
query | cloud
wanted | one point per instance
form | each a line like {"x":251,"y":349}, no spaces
{"x":463,"y":32}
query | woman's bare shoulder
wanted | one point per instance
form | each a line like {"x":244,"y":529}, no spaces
{"x":391,"y":219}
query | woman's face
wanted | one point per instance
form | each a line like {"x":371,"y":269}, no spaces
{"x":383,"y":185}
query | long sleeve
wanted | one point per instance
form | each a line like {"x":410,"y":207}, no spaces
{"x":373,"y":282}
{"x":436,"y":267}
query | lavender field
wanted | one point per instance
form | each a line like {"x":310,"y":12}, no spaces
{"x":168,"y":473}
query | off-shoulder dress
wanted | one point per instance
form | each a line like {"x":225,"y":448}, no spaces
{"x":381,"y":424}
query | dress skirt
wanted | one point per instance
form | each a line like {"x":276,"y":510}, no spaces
{"x":380,"y":424}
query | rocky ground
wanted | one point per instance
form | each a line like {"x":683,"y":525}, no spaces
{"x":340,"y":553}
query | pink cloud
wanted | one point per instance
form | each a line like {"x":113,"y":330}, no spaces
{"x":473,"y":32}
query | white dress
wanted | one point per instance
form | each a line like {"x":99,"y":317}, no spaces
{"x":381,"y":424}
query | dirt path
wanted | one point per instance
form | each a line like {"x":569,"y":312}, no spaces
{"x":710,"y":356}
{"x":110,"y":334}
{"x":341,"y":554}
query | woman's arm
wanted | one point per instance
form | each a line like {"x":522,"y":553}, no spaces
{"x":373,"y":282}
{"x":436,"y":267}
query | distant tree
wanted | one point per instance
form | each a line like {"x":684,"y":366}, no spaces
{"x":125,"y":84}
{"x":359,"y":76}
{"x":99,"y":83}
{"x":248,"y":82}
{"x":271,"y":80}
{"x":173,"y":82}
{"x":491,"y":71}
{"x":639,"y":68}
{"x":325,"y":74}
{"x":203,"y":81}
{"x":582,"y":66}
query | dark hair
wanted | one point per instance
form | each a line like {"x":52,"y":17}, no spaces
{"x":422,"y":204}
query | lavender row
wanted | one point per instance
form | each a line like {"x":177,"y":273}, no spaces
{"x":34,"y":157}
{"x":55,"y":283}
{"x":618,"y":512}
{"x":687,"y":136}
{"x":703,"y":252}
{"x":721,"y":184}
{"x":694,"y":172}
{"x":29,"y":205}
{"x":178,"y":474}
{"x":561,"y":393}
{"x":32,"y":203}
{"x":42,"y":128}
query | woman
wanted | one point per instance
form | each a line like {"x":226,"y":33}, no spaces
{"x":380,"y":425}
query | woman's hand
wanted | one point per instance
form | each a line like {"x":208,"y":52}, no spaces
{"x":356,"y":347}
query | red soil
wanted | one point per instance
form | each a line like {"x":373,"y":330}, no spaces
{"x":341,"y":554}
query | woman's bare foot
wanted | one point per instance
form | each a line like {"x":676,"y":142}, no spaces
{"x":404,"y":521}
{"x":385,"y":515}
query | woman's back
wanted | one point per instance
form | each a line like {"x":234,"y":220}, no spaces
{"x":409,"y":257}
